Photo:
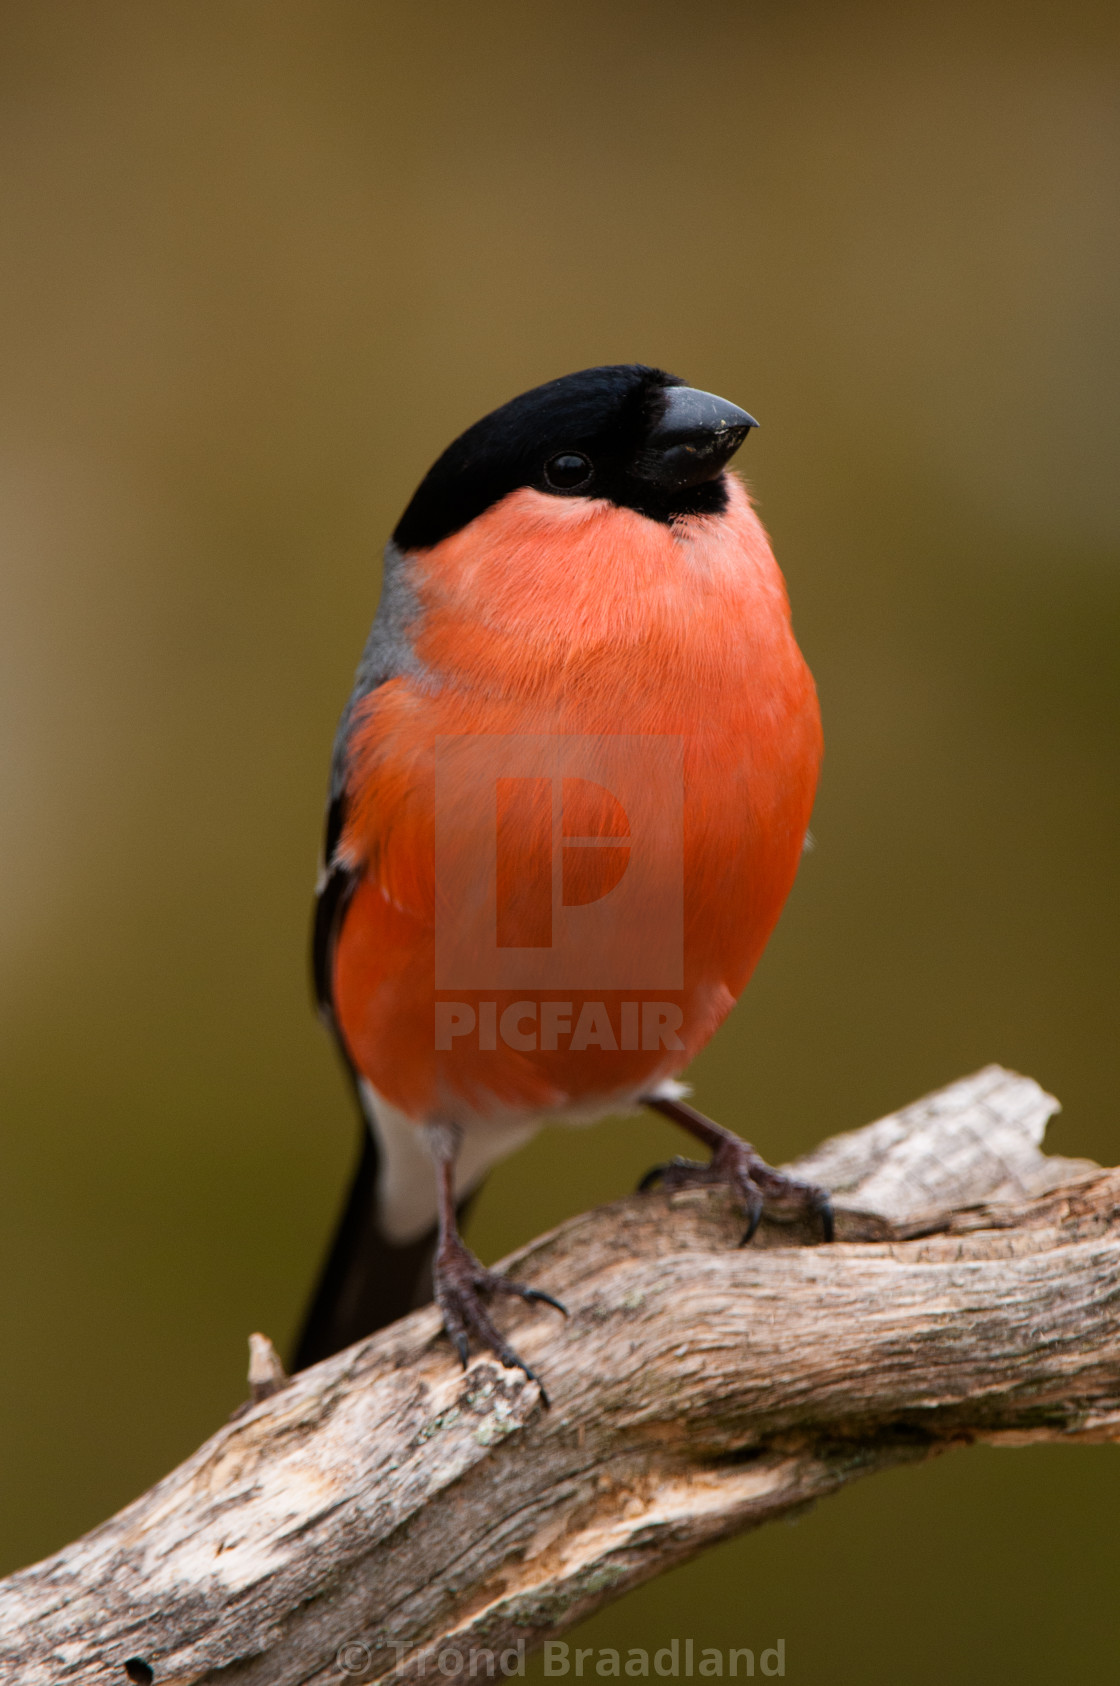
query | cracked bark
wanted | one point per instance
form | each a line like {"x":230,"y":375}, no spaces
{"x":387,"y":1503}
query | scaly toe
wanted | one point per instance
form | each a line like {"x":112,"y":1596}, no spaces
{"x":759,"y":1188}
{"x":460,"y":1283}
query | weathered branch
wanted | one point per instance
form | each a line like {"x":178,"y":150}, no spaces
{"x":387,"y":1503}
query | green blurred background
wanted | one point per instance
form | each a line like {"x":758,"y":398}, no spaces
{"x":261,"y":262}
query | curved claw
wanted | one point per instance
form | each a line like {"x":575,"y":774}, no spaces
{"x":462,"y":1347}
{"x":537,"y":1294}
{"x":505,"y":1354}
{"x":752,"y":1199}
{"x":693,"y":1168}
{"x":533,"y":1377}
{"x":488,"y":1283}
{"x":824,"y":1211}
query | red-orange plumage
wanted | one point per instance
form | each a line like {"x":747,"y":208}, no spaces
{"x":547,"y":615}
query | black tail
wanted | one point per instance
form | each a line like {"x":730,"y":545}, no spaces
{"x":367,"y":1282}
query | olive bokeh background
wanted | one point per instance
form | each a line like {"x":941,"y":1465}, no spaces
{"x":261,"y":262}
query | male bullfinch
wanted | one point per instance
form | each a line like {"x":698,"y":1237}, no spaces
{"x":568,"y":798}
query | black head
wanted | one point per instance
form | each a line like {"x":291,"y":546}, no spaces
{"x":633,"y":435}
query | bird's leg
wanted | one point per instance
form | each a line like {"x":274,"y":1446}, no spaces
{"x":759,"y":1187}
{"x":460,"y":1280}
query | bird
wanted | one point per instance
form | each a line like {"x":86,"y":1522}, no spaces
{"x":568,"y":797}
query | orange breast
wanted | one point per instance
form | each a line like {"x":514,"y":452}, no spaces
{"x":577,"y":833}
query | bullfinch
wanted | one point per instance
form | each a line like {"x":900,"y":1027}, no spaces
{"x":568,"y":798}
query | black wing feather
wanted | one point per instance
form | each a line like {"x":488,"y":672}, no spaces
{"x":331,"y":902}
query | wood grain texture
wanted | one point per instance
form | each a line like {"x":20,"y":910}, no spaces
{"x":385,"y":1506}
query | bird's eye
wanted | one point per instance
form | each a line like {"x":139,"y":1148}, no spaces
{"x":567,"y":471}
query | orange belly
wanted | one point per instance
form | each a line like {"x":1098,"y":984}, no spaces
{"x":573,"y":627}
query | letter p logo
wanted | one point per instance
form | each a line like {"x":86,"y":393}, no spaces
{"x":559,"y":862}
{"x":594,"y":854}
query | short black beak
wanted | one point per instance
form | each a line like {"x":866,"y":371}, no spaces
{"x":695,"y":437}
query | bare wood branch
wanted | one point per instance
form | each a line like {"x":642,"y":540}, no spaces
{"x":266,"y":1373}
{"x":389,"y":1504}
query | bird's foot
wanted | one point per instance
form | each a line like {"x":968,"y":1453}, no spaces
{"x":461,"y":1283}
{"x":757,"y":1185}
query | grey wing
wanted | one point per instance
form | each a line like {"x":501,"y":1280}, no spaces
{"x":366,"y":1281}
{"x":388,"y":655}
